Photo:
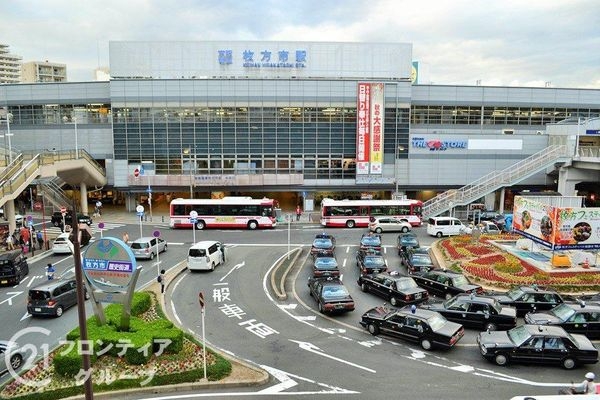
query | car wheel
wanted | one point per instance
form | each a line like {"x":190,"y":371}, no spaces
{"x":15,"y":361}
{"x":364,"y":287}
{"x":490,"y":327}
{"x":152,"y":256}
{"x":448,"y":296}
{"x":252,"y":225}
{"x":86,"y":295}
{"x":212,"y":266}
{"x":350,"y":224}
{"x":404,"y":230}
{"x":321,"y":310}
{"x":373,"y":329}
{"x":569,"y":363}
{"x":439,"y":234}
{"x":165,"y":249}
{"x":501,"y":359}
{"x":59,"y":311}
{"x":426,"y":344}
{"x":200,"y":225}
{"x":393,"y":301}
{"x":378,"y":230}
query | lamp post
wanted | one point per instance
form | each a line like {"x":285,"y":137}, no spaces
{"x":188,"y":151}
{"x":8,"y":135}
{"x":74,"y":121}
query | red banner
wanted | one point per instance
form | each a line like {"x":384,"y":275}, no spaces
{"x":363,"y":127}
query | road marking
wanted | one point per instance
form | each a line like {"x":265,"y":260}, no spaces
{"x":347,"y":249}
{"x":344,"y":263}
{"x":32,"y":279}
{"x":236,"y":266}
{"x":22,"y":280}
{"x":305,"y":317}
{"x":27,"y":315}
{"x":314,"y":349}
{"x":291,"y":306}
{"x":9,"y":300}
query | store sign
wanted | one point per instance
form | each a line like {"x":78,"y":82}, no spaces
{"x":265,"y":58}
{"x":438,"y":144}
{"x":559,"y":228}
{"x":592,"y":131}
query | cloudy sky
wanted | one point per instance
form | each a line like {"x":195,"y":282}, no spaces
{"x":508,"y":42}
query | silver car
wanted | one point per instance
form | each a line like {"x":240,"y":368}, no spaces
{"x":148,"y":247}
{"x":10,"y":357}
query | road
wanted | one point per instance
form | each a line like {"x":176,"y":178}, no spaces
{"x":307,"y":352}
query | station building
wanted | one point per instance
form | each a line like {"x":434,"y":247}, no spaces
{"x":302,"y":120}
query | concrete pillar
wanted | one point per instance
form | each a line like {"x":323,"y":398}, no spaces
{"x":490,"y":201}
{"x":501,"y":207}
{"x":566,"y":186}
{"x":9,"y":214}
{"x":83,"y":198}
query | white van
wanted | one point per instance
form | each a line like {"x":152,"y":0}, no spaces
{"x":205,"y":255}
{"x":445,"y":226}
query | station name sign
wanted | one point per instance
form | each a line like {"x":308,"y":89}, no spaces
{"x":265,"y":58}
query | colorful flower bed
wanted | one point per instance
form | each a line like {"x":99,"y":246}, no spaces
{"x":486,"y":263}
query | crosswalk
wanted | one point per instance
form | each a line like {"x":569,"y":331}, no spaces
{"x":55,"y":230}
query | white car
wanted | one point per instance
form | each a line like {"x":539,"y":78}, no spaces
{"x":61,"y":244}
{"x":389,"y":224}
{"x":486,"y":227}
{"x":19,"y":219}
{"x":9,"y":351}
{"x":148,"y":247}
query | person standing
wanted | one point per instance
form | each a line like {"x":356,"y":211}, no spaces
{"x":40,"y":239}
{"x":10,"y":242}
{"x":126,"y":237}
{"x":50,"y":271}
{"x":161,"y":279}
{"x":222,"y":253}
{"x":298,"y":212}
{"x":99,"y":208}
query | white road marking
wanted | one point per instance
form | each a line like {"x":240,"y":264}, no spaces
{"x":32,"y":279}
{"x":22,"y":280}
{"x":347,"y":249}
{"x":291,"y":306}
{"x":305,"y":318}
{"x":9,"y":300}
{"x":236,"y":266}
{"x":344,"y":263}
{"x":27,"y":315}
{"x":314,"y":349}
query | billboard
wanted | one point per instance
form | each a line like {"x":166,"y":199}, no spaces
{"x":559,"y":228}
{"x":376,"y":128}
{"x":363,"y":131}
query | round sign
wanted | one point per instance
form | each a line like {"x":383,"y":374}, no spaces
{"x":156,"y":233}
{"x":101,"y":225}
{"x":136,"y":172}
{"x":193,"y":214}
{"x":140,"y":208}
{"x":63,"y":210}
{"x":37,"y":206}
{"x":29,"y":218}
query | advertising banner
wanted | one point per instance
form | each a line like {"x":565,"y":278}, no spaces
{"x":363,"y":124}
{"x":376,"y":128}
{"x":559,"y":228}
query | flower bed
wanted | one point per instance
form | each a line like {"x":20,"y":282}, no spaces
{"x":484,"y":262}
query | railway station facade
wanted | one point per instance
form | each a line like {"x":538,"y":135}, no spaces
{"x":298,"y":119}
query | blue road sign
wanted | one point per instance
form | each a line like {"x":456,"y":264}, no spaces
{"x":193,"y":220}
{"x":30,"y":223}
{"x":149,"y":190}
{"x":140,"y":214}
{"x":142,"y":170}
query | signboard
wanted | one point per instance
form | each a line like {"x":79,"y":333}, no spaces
{"x":108,"y":265}
{"x":560,"y":228}
{"x":376,"y":128}
{"x":363,"y":133}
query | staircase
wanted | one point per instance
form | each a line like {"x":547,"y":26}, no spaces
{"x":51,"y":188}
{"x":495,"y":180}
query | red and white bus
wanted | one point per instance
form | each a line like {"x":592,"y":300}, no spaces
{"x":356,"y":213}
{"x":228,"y":212}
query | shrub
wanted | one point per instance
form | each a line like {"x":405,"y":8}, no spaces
{"x":69,"y":363}
{"x":141,"y":303}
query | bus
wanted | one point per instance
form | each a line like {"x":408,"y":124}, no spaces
{"x":228,"y":212}
{"x":357,"y":213}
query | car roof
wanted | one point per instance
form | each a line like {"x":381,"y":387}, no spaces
{"x":329,"y":280}
{"x":50,"y":285}
{"x":10,"y":255}
{"x":203,"y":244}
{"x":586,"y":306}
{"x":478,"y":299}
{"x":545,"y":329}
{"x":323,"y":236}
{"x":64,"y":235}
{"x":419,"y":312}
{"x":445,"y":272}
{"x":530,"y":289}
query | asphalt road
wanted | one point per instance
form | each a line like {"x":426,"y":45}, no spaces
{"x":306,"y":352}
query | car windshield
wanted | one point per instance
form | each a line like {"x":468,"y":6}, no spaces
{"x":196,"y":252}
{"x":408,"y":283}
{"x":139,"y":245}
{"x":409,"y":241}
{"x":322,"y":243}
{"x":436,"y":322}
{"x":515,"y":293}
{"x":421,"y":259}
{"x":335,"y":292}
{"x":519,"y":335}
{"x":459,"y":281}
{"x":371,"y":241}
{"x":374,"y":261}
{"x":563,"y":312}
{"x":325,"y":262}
{"x":38,"y":295}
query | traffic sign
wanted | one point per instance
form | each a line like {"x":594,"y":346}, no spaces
{"x":37,"y":206}
{"x":149,"y":190}
{"x":156,"y":233}
{"x":141,"y":170}
{"x":136,"y":172}
{"x":193,"y":220}
{"x":30,"y":223}
{"x":193,"y":214}
{"x":101,"y":225}
{"x":201,"y":300}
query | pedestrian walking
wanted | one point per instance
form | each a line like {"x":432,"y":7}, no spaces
{"x":99,"y":208}
{"x":10,"y":242}
{"x":222,"y":253}
{"x":40,"y":239}
{"x":50,"y":271}
{"x":298,"y":212}
{"x":161,"y":279}
{"x":126,"y":237}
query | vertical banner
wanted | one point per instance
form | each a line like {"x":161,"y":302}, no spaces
{"x":363,"y":133}
{"x":376,"y":128}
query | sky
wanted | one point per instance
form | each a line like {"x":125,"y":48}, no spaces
{"x":530,"y":43}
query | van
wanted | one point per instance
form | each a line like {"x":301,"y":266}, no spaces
{"x":53,"y":297}
{"x":445,"y":226}
{"x":13,"y":267}
{"x":205,"y":255}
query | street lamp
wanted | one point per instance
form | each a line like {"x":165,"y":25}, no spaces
{"x":74,"y":121}
{"x":188,"y":151}
{"x":8,"y":135}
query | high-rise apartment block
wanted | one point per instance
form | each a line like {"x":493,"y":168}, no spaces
{"x":10,"y":66}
